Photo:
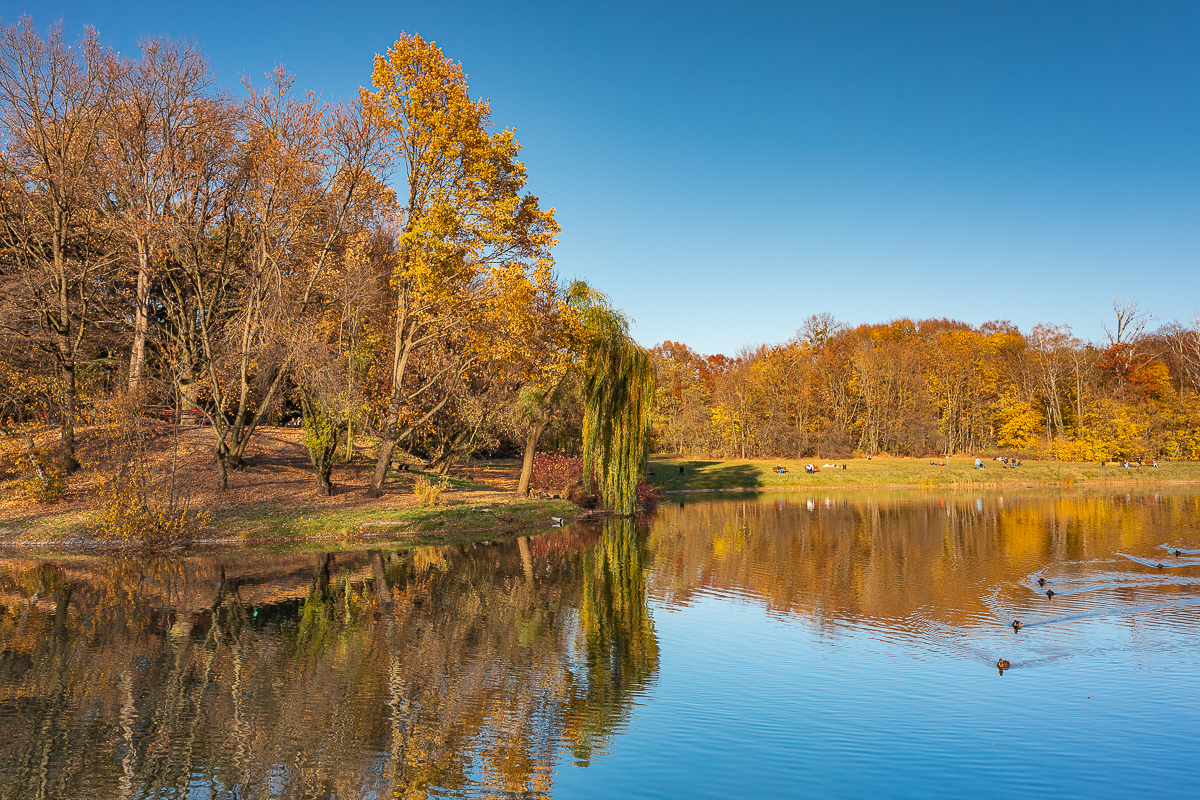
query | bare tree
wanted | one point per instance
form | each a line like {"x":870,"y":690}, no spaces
{"x":158,"y":118}
{"x":53,"y":102}
{"x":1184,"y":346}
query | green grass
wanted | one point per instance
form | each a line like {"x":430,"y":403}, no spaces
{"x":303,"y":523}
{"x":299,"y":523}
{"x":903,"y":472}
{"x":449,"y":481}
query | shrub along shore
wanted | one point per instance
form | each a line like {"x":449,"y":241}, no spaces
{"x":670,"y":474}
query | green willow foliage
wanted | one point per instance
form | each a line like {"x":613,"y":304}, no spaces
{"x":617,"y":418}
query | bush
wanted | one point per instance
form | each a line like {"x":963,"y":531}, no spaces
{"x":137,"y":508}
{"x":556,"y":472}
{"x":48,"y":489}
{"x":46,"y":485}
{"x":429,"y":494}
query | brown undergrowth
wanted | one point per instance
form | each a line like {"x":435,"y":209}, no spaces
{"x":273,"y":497}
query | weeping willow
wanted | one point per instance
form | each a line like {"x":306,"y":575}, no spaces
{"x":618,"y":402}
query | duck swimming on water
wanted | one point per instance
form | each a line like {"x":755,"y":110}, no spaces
{"x":1017,"y":624}
{"x":1002,"y":665}
{"x":1050,"y":593}
{"x":1159,"y":566}
{"x":1041,"y":581}
{"x":1178,"y":552}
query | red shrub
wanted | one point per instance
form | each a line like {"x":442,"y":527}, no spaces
{"x":556,"y":472}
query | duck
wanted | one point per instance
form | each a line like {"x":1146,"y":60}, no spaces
{"x":1002,"y":665}
{"x":1041,"y":581}
{"x":1159,"y":566}
{"x":1178,"y":553}
{"x":1017,"y":624}
{"x":1050,"y":593}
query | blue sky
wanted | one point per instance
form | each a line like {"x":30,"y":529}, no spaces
{"x":725,"y":170}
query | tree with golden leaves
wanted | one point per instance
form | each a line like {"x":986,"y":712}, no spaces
{"x":464,"y":216}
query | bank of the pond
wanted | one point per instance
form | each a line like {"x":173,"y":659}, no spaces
{"x":489,"y":514}
{"x":669,"y":475}
{"x":483,"y":514}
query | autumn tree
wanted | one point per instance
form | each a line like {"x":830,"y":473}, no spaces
{"x":54,"y":98}
{"x":463,"y":216}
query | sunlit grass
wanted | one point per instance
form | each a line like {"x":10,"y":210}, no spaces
{"x":904,"y":472}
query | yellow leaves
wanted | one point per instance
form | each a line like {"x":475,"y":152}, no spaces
{"x":1018,"y":422}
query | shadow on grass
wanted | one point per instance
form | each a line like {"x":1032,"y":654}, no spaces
{"x":679,"y":474}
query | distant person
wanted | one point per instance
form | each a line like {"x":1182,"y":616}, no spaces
{"x":810,"y":469}
{"x":1154,"y":463}
{"x":978,"y":464}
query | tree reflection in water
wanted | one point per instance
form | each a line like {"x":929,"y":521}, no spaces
{"x":476,"y":670}
{"x":403,"y":673}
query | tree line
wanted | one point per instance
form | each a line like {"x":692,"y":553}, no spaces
{"x":937,"y":386}
{"x":376,"y":267}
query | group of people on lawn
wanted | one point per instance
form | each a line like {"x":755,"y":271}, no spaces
{"x":780,"y":469}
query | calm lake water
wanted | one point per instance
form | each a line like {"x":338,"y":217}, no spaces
{"x":753,"y":646}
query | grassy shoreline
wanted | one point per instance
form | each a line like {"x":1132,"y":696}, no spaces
{"x":305,"y":523}
{"x":715,"y":475}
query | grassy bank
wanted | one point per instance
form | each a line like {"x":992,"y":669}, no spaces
{"x":861,"y":473}
{"x":69,"y":526}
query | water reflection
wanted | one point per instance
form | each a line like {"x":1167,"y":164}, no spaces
{"x":385,"y":673}
{"x":944,"y":573}
{"x":495,"y":669}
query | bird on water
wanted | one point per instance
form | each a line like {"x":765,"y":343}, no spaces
{"x":1041,"y":581}
{"x":1160,"y":566}
{"x":1178,"y":552}
{"x":1002,"y":665}
{"x":1017,"y":624}
{"x":1050,"y":593}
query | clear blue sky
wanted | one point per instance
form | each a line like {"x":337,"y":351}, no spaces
{"x":725,"y":170}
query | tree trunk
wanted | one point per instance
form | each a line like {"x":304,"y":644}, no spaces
{"x":222,"y":467}
{"x":141,"y":315}
{"x":68,"y":461}
{"x":381,"y":467}
{"x":401,"y":348}
{"x":535,"y":433}
{"x":323,"y":471}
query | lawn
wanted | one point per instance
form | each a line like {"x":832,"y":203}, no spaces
{"x":682,"y":474}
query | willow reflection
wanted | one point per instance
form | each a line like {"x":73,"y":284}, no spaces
{"x":405,"y":674}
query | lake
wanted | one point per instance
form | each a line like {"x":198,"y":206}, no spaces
{"x":757,"y":645}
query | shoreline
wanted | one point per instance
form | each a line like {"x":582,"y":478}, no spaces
{"x":928,"y":487}
{"x":677,"y":475}
{"x":349,"y":537}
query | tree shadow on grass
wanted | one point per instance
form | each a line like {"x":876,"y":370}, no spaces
{"x":703,"y":475}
